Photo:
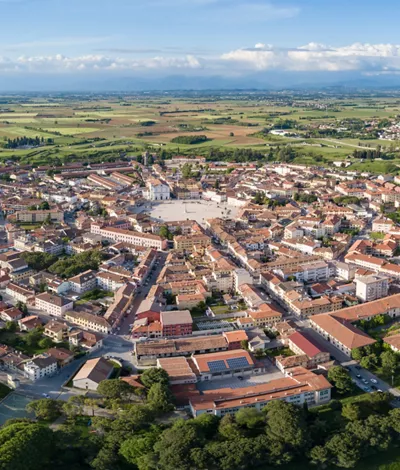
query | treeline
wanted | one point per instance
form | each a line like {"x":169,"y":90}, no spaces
{"x":189,"y":139}
{"x":24,"y":141}
{"x":369,"y":154}
{"x":138,"y":438}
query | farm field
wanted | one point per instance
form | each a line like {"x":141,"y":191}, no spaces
{"x":93,"y":128}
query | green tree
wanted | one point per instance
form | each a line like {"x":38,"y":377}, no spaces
{"x":44,"y":206}
{"x":159,"y":398}
{"x":33,"y":337}
{"x":175,"y":445}
{"x":319,"y":455}
{"x":115,"y":388}
{"x":165,"y":233}
{"x":250,"y":418}
{"x":186,"y":171}
{"x":45,"y":343}
{"x":26,"y":446}
{"x":22,"y":307}
{"x":134,"y":449}
{"x":73,"y":407}
{"x":153,"y":376}
{"x":11,"y":326}
{"x":373,"y":432}
{"x":351,"y":411}
{"x":357,"y":354}
{"x":286,"y":425}
{"x":389,"y":361}
{"x":39,"y":261}
{"x":369,"y":362}
{"x":228,"y":428}
{"x":344,"y":450}
{"x":46,"y":408}
{"x":341,"y":379}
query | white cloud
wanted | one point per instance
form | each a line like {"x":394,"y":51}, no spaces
{"x":60,"y":63}
{"x":318,"y":57}
{"x":365,"y":58}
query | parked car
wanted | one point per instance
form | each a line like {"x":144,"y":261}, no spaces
{"x":374,"y":381}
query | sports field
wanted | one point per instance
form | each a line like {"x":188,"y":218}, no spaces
{"x":13,"y":406}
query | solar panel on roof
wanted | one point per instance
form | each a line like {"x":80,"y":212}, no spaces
{"x":237,"y":362}
{"x":216,"y":366}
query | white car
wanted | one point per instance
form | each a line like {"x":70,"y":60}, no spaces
{"x":374,"y":381}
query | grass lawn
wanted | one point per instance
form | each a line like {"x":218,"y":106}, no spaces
{"x":82,"y":425}
{"x":221,"y":309}
{"x":377,"y":235}
{"x":30,"y":226}
{"x":279,"y":352}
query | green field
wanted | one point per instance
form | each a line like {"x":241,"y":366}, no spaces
{"x":106,"y":126}
{"x":71,"y":130}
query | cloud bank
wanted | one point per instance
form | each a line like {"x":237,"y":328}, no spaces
{"x":365,"y":58}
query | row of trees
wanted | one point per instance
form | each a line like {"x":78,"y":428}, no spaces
{"x":23,"y":141}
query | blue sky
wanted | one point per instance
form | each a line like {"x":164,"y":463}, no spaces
{"x":200,"y":37}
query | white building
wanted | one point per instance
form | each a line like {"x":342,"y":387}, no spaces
{"x":157,"y":190}
{"x":83,"y":282}
{"x":19,"y":293}
{"x":371,"y":287}
{"x":382,"y":225}
{"x":53,"y":304}
{"x":92,"y":373}
{"x":241,"y":276}
{"x":39,"y":367}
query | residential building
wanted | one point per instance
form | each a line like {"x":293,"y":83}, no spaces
{"x":371,"y":287}
{"x":38,"y":216}
{"x":88,"y":321}
{"x":40,"y":367}
{"x":55,"y":330}
{"x":176,"y":323}
{"x":83,"y":282}
{"x":19,"y":293}
{"x":53,"y":304}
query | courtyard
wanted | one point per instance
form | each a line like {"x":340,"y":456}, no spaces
{"x":271,"y":373}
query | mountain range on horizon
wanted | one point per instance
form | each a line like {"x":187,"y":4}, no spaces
{"x":257,"y":81}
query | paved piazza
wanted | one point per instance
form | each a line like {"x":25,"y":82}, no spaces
{"x":198,"y":210}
